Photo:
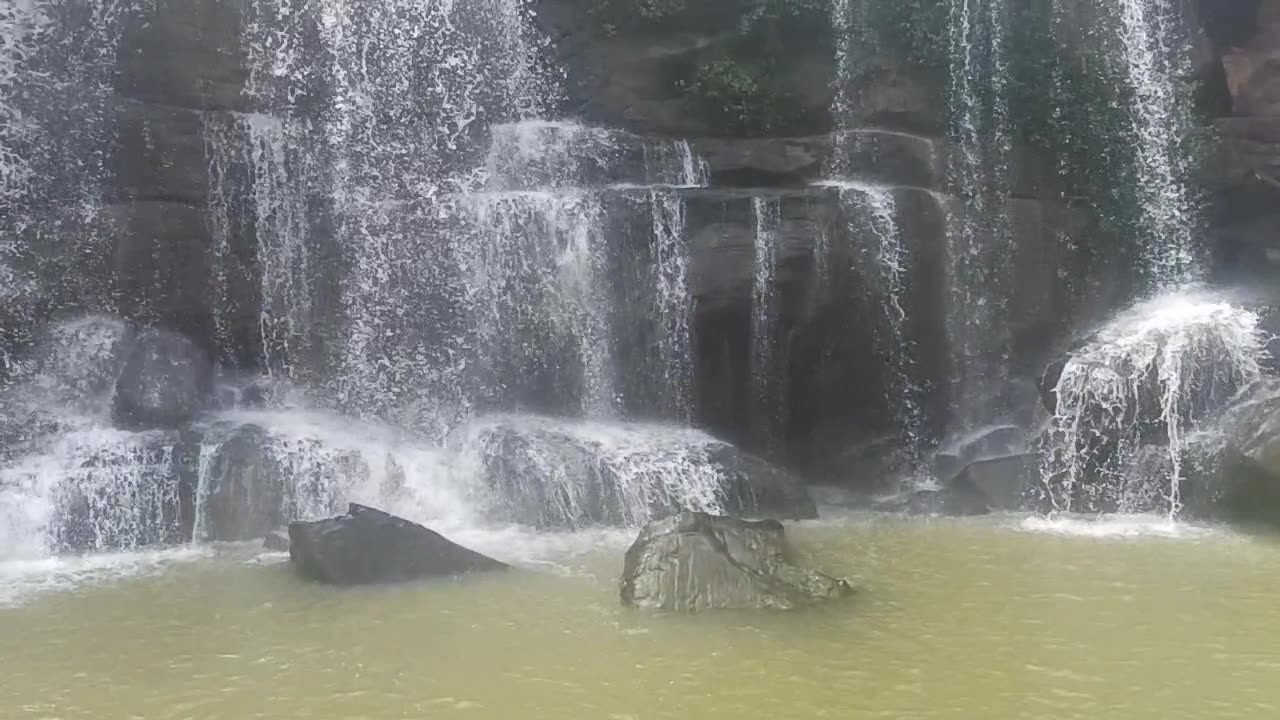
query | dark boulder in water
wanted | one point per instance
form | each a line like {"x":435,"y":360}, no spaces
{"x":993,"y":463}
{"x":694,"y":561}
{"x":166,"y":381}
{"x":245,"y":497}
{"x":368,"y":546}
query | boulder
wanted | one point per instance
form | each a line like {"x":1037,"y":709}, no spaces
{"x":165,"y":382}
{"x":368,"y":546}
{"x":244,"y":498}
{"x":1003,"y":480}
{"x":694,"y":561}
{"x":993,"y":464}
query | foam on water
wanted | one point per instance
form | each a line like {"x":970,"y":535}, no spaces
{"x":1105,"y":527}
{"x":23,"y":580}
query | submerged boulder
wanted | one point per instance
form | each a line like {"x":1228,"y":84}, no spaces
{"x":694,"y":561}
{"x":368,"y":546}
{"x":165,"y":382}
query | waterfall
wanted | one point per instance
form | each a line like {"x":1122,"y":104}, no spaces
{"x":265,"y":147}
{"x":871,"y":212}
{"x":1154,"y":63}
{"x":673,"y":306}
{"x":1144,"y":383}
{"x":979,"y":236}
{"x":57,"y":134}
{"x":766,"y":368}
{"x":536,"y":275}
{"x":91,"y":490}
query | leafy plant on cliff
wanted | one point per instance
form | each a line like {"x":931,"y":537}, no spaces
{"x":736,"y":96}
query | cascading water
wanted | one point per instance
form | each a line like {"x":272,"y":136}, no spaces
{"x":1148,"y":379}
{"x":766,"y":380}
{"x":425,"y":248}
{"x":1154,"y":62}
{"x":980,"y":239}
{"x":265,"y":146}
{"x":1129,"y":399}
{"x":673,"y":307}
{"x":57,"y":131}
{"x":536,"y":267}
{"x":871,"y":212}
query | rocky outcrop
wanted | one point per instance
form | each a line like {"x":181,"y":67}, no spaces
{"x":1244,"y":171}
{"x":693,"y":562}
{"x":552,"y":474}
{"x":245,"y":497}
{"x":727,"y":67}
{"x":1245,"y":486}
{"x":368,"y":546}
{"x":166,"y":381}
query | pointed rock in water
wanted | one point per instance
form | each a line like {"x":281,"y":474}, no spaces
{"x":368,"y":546}
{"x":694,"y":561}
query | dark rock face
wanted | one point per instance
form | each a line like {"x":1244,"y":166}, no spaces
{"x":692,"y":562}
{"x":756,"y":488}
{"x":165,"y":382}
{"x":1246,"y":485}
{"x":695,"y":69}
{"x":368,"y":546}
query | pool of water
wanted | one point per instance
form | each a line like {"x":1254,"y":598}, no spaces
{"x":991,"y":618}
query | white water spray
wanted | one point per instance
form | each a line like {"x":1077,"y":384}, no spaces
{"x":1148,"y":378}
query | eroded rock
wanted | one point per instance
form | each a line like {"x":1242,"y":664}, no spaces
{"x":694,"y":561}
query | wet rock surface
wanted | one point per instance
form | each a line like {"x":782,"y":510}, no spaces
{"x":693,"y":562}
{"x":368,"y":546}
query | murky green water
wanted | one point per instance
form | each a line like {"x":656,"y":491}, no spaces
{"x":958,"y":619}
